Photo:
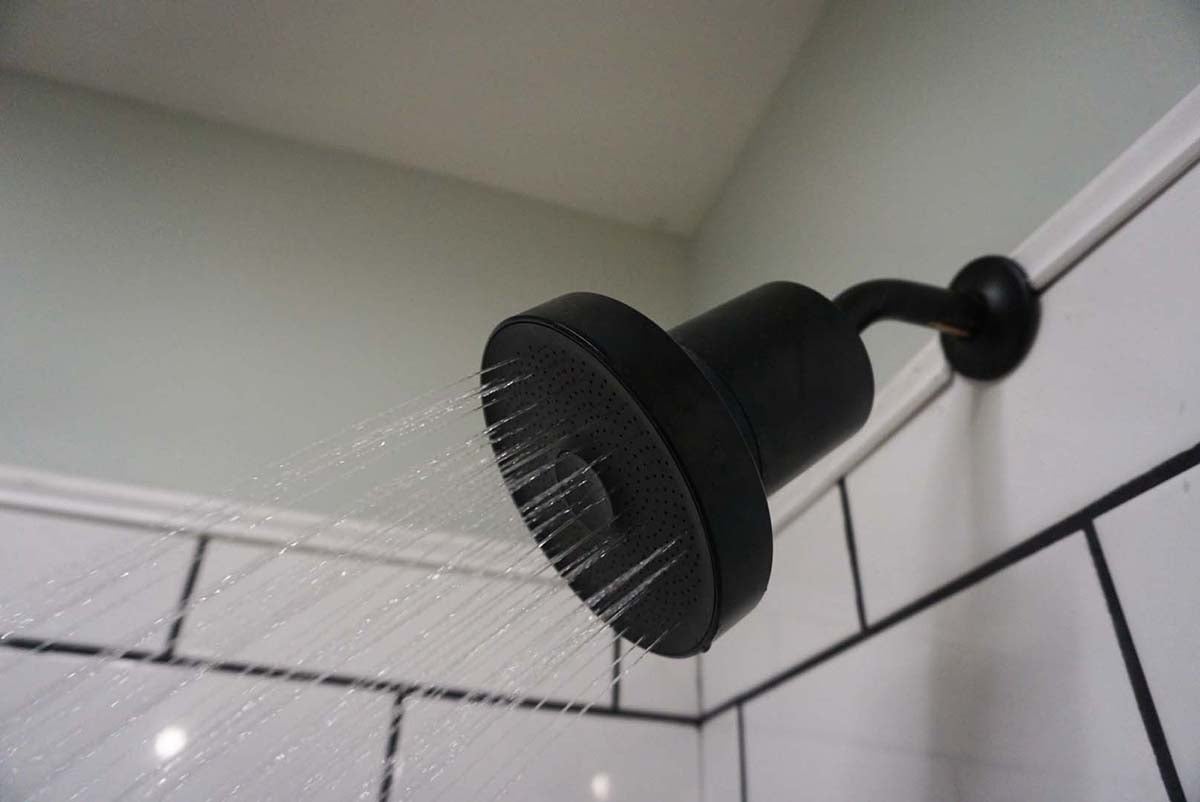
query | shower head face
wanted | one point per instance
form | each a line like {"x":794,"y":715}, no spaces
{"x":629,"y":470}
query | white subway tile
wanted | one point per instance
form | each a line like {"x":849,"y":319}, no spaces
{"x":77,"y":580}
{"x":395,"y":623}
{"x":1013,"y":689}
{"x":542,"y":755}
{"x":660,"y":684}
{"x":106,"y":730}
{"x":1105,"y":394}
{"x":720,"y":769}
{"x":809,"y":605}
{"x":1153,"y":549}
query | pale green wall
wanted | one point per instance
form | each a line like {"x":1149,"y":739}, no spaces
{"x":181,"y":301}
{"x":910,"y":137}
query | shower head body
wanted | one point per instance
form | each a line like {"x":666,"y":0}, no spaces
{"x":791,"y":368}
{"x":660,"y":448}
{"x":677,"y":437}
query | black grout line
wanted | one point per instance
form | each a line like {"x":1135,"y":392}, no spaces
{"x":551,"y":705}
{"x":1075,"y":522}
{"x":1162,"y":472}
{"x":616,"y":673}
{"x":978,"y":574}
{"x":393,"y":744}
{"x":848,"y":524}
{"x":1072,"y":523}
{"x":48,"y":646}
{"x":1133,"y":667}
{"x":45,"y":646}
{"x":743,"y":785}
{"x":80,"y":649}
{"x":185,"y":598}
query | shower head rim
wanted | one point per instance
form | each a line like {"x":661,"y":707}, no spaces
{"x":691,"y":417}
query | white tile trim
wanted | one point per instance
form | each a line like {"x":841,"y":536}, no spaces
{"x":169,"y":512}
{"x":1146,"y":168}
{"x":1154,"y":161}
{"x":917,"y":383}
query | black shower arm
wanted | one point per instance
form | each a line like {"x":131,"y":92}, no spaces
{"x":950,"y":312}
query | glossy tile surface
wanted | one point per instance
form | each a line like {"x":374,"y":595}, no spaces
{"x":662,"y":684}
{"x":1012,"y":690}
{"x":1153,"y":549}
{"x":393,"y":623}
{"x":720,"y":772}
{"x":1104,"y":395}
{"x":809,"y":605}
{"x":92,"y":582}
{"x":527,"y":755}
{"x":108,"y":732}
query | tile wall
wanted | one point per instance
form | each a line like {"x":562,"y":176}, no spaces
{"x":101,"y":683}
{"x":1024,"y":559}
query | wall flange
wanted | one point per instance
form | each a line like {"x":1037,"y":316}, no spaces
{"x":988,"y":316}
{"x":1007,"y":323}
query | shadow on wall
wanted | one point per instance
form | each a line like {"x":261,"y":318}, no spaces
{"x":970,"y":719}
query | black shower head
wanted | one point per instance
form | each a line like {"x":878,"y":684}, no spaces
{"x":658,"y":449}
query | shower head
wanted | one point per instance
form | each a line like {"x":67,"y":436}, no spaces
{"x":647,"y":454}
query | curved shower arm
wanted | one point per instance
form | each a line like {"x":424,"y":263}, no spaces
{"x":950,"y":312}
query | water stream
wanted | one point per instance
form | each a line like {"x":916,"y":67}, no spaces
{"x":411,"y":576}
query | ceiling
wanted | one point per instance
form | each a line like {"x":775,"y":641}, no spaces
{"x":631,"y":110}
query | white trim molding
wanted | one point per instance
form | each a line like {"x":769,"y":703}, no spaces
{"x":166,"y":513}
{"x":1146,"y":168}
{"x":1150,"y":165}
